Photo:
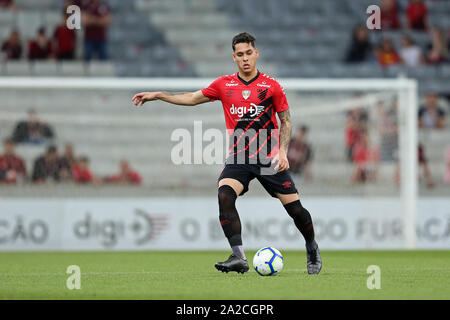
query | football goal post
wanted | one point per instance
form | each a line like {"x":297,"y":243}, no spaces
{"x":362,"y":134}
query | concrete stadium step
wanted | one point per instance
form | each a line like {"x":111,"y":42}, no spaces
{"x":194,"y":35}
{"x":51,"y":68}
{"x":173,"y":20}
{"x":175,"y":5}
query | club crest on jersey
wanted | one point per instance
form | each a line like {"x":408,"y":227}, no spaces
{"x":246,"y":94}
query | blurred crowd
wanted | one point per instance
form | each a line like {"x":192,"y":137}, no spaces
{"x":361,"y":152}
{"x":412,"y":18}
{"x":52,"y":166}
{"x":366,"y":156}
{"x":60,"y":43}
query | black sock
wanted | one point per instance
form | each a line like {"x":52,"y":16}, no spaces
{"x":228,"y":215}
{"x":303,"y":222}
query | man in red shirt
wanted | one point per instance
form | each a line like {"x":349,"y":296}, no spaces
{"x":96,"y":19}
{"x":81,"y":171}
{"x":12,"y":168}
{"x":389,"y":15}
{"x":251,"y":101}
{"x":126,"y":175}
{"x":417,"y":15}
{"x":40,"y":48}
{"x":386,"y":54}
{"x":7,"y":4}
{"x":65,"y":40}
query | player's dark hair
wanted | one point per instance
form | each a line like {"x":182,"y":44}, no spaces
{"x":243,"y":37}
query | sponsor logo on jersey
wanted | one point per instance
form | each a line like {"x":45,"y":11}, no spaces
{"x":253,"y":109}
{"x":231,"y":84}
{"x":263,"y":84}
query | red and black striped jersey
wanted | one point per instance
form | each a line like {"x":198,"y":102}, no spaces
{"x":250,"y":109}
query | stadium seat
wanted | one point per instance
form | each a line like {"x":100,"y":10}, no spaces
{"x":73,"y":68}
{"x":45,"y":68}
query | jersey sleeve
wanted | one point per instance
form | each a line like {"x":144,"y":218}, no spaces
{"x":213,"y":91}
{"x":279,"y":99}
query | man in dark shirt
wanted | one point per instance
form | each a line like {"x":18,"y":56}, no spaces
{"x":32,"y":130}
{"x":360,"y":47}
{"x":96,"y":19}
{"x":47,"y":166}
{"x":431,"y":115}
{"x":11,"y":48}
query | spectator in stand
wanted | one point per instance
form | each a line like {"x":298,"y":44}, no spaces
{"x":365,"y":159}
{"x":12,"y":48}
{"x":431,"y":115}
{"x":386,"y":54}
{"x":32,"y":130}
{"x":360,"y":47}
{"x":410,"y":53}
{"x":12,"y":167}
{"x":416,"y":14}
{"x":83,"y":174}
{"x":356,"y":123}
{"x":389,"y":132}
{"x":41,"y":47}
{"x":126,"y":175}
{"x":67,"y":163}
{"x":438,"y":49}
{"x":447,"y":161}
{"x":96,"y":20}
{"x":300,"y":153}
{"x":47,"y":167}
{"x":423,"y":162}
{"x":7,"y":4}
{"x":64,"y":40}
{"x":389,"y":15}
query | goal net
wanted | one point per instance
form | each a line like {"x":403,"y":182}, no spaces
{"x":356,"y":143}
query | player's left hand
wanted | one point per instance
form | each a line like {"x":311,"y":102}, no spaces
{"x":283,"y":163}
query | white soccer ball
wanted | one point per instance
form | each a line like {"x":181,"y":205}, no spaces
{"x":268,"y":261}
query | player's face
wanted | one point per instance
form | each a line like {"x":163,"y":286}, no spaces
{"x":245,"y":56}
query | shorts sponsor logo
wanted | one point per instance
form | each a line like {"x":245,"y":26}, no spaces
{"x":287,"y":184}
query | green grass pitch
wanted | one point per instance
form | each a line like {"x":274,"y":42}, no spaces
{"x":191,"y":275}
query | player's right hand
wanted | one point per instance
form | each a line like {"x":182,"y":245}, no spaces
{"x":140,"y":98}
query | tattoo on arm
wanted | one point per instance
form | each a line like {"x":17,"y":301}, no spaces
{"x":285,"y":129}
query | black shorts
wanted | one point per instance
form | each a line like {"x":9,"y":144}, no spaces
{"x":280,"y":182}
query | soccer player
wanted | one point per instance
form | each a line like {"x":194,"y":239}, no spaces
{"x":258,"y":149}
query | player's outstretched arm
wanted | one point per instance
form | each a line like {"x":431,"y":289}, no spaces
{"x":182,"y":99}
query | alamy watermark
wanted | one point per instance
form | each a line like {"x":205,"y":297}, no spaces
{"x":213,"y":146}
{"x":74,"y":280}
{"x":374,"y":280}
{"x":73,"y":20}
{"x":374,"y":19}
